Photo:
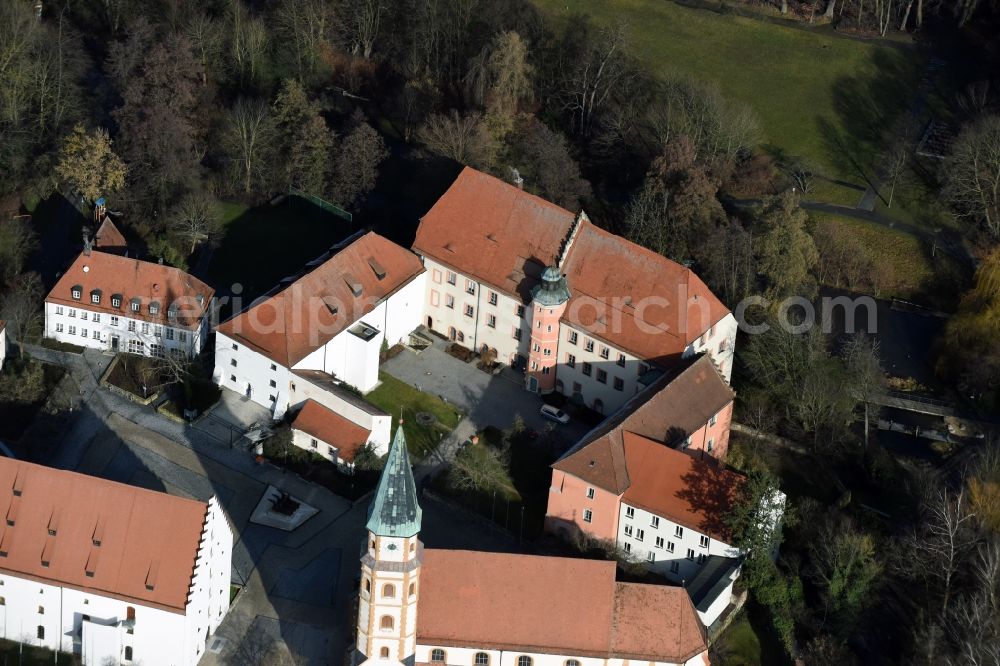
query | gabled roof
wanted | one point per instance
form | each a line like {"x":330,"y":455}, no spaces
{"x":303,"y":316}
{"x":136,"y":544}
{"x":143,"y":282}
{"x":108,"y":238}
{"x":674,"y":406}
{"x":330,"y":427}
{"x":622,"y":293}
{"x":553,"y":605}
{"x":394,"y":511}
{"x":693,"y":492}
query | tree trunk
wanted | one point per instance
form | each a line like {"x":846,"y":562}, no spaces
{"x":830,"y":6}
{"x":920,"y":14}
{"x":906,"y":16}
{"x":784,"y":6}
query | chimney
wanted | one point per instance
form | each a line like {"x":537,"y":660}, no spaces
{"x":516,"y":176}
{"x":88,"y":244}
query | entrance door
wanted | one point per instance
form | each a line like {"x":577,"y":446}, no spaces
{"x":114,"y":343}
{"x":430,"y":323}
{"x":532,"y":384}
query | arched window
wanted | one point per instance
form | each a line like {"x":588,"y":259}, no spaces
{"x":482,"y":659}
{"x":461,"y":336}
{"x":413,"y":589}
{"x":599,"y":406}
{"x":437,"y":656}
{"x":384,"y":653}
{"x":368,"y":586}
{"x":524,"y":660}
{"x":386,"y":623}
{"x":128,"y":653}
{"x":388,"y":590}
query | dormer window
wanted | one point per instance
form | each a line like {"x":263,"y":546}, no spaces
{"x":154,"y":308}
{"x":77,"y":292}
{"x":116,"y":300}
{"x":136,"y":304}
{"x":95,"y":296}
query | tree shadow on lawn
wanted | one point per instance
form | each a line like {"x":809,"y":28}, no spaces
{"x":270,"y":242}
{"x":867,"y":109}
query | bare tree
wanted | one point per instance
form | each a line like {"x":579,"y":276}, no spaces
{"x":588,"y":82}
{"x":197,"y":218}
{"x":500,"y":79}
{"x":308,"y":27}
{"x":939,"y":547}
{"x":861,"y":356}
{"x":248,"y":134}
{"x":205,"y":34}
{"x":248,"y":41}
{"x":22,"y":307}
{"x":464,"y":139}
{"x":973,"y":173}
{"x":365,"y":23}
{"x":17,"y":242}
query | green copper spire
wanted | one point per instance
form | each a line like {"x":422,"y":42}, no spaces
{"x":394,"y":512}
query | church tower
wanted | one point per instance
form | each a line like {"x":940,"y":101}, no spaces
{"x":548,"y":303}
{"x":390,"y":565}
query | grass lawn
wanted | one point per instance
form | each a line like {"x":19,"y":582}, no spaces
{"x":818,"y":95}
{"x":394,"y":396}
{"x":913,"y":269}
{"x":261,"y":245}
{"x":739,"y":644}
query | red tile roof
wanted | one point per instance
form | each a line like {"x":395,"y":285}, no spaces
{"x":693,"y":492}
{"x":108,"y":238}
{"x":147,"y":539}
{"x":289,"y":325}
{"x":622,"y":293}
{"x":559,"y":605}
{"x":493,"y":231}
{"x":328,"y":426}
{"x":133,"y":279}
{"x":674,"y":406}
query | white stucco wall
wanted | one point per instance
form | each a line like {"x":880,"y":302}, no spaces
{"x":95,"y":330}
{"x":252,"y":375}
{"x":663,"y":558}
{"x":379,"y":424}
{"x":720,"y":343}
{"x":158,"y":637}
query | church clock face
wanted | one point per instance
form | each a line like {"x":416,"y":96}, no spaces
{"x":391,"y":546}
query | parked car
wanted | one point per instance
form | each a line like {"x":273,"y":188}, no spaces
{"x":554,"y":414}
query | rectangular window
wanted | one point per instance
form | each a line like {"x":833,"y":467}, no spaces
{"x":659,"y":542}
{"x":182,"y":336}
{"x":116,"y":302}
{"x":640,"y":534}
{"x":588,"y":515}
{"x":72,"y":313}
{"x":703,"y":541}
{"x":233,"y":362}
{"x":83,"y":315}
{"x":97,"y":319}
{"x":469,"y":310}
{"x":670,"y":546}
{"x":145,"y":328}
{"x":630,"y":512}
{"x":449,"y":301}
{"x":491,"y":321}
{"x":97,"y":335}
{"x":702,"y":557}
{"x":715,"y":419}
{"x":654,"y":521}
{"x":605,"y":352}
{"x":273,"y":384}
{"x":315,"y":443}
{"x":588,"y":344}
{"x":602,"y":376}
{"x":577,"y":387}
{"x":435,"y":298}
{"x":571,"y":360}
{"x":723,"y":346}
{"x":470,"y":287}
{"x":621,"y":360}
{"x":628,"y":530}
{"x":331,"y":451}
{"x":572,"y":337}
{"x":135,"y":306}
{"x":232,"y":378}
{"x":131,"y":326}
{"x":628,"y":548}
{"x":517,"y":334}
{"x":587,"y":368}
{"x":72,"y":330}
{"x":493,"y":298}
{"x":675,"y":567}
{"x":642,"y":369}
{"x":59,"y":328}
{"x":452,"y":278}
{"x":59,"y":310}
{"x":114,"y":320}
{"x":519,"y":311}
{"x":690,"y":554}
{"x":619,"y":384}
{"x":95,"y":298}
{"x":679,"y":532}
{"x":651,"y":556}
{"x":436,"y":275}
{"x":158,"y":331}
{"x":590,"y":493}
{"x":274,"y":368}
{"x":170,"y":333}
{"x":83,"y":332}
{"x":710,"y":445}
